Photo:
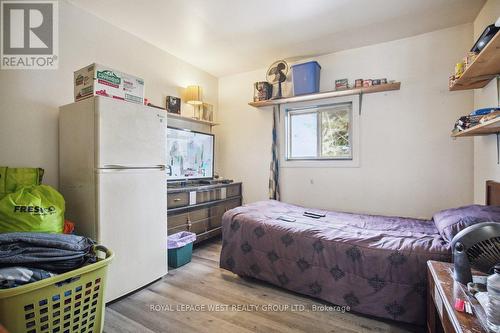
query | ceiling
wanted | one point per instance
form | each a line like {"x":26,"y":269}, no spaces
{"x":224,"y":37}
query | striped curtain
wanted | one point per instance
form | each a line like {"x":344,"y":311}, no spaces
{"x":274,"y":184}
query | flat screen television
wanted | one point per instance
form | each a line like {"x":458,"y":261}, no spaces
{"x":190,"y":154}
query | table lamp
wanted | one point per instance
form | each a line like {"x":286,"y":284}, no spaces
{"x":194,"y":97}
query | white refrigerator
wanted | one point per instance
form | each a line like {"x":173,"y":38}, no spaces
{"x":112,"y":157}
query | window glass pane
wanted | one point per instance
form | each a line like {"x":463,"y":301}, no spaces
{"x":335,"y":140}
{"x":304,"y":136}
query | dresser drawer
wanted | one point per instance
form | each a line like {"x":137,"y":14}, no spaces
{"x":177,"y":199}
{"x":206,"y":196}
{"x":171,"y":231}
{"x":199,"y":214}
{"x":232,"y":204}
{"x":217,"y":212}
{"x":177,"y":220}
{"x":199,"y":227}
{"x":233,"y":191}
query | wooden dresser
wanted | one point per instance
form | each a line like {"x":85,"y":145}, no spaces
{"x":199,"y":208}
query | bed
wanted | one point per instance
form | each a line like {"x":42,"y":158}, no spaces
{"x":376,"y":265}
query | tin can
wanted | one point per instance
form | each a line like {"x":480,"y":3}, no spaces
{"x":341,"y":84}
{"x":262,"y":91}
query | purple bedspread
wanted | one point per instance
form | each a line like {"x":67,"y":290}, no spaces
{"x":374,"y":264}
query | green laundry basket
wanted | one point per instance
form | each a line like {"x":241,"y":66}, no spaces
{"x":66,"y":303}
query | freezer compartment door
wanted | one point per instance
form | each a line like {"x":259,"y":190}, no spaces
{"x":132,"y":215}
{"x":129,"y":134}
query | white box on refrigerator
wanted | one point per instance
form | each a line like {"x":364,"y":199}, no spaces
{"x":96,"y":79}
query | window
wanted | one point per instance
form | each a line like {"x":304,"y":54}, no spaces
{"x":319,"y":132}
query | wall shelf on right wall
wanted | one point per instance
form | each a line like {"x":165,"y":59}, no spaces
{"x":489,"y":127}
{"x":484,"y":68}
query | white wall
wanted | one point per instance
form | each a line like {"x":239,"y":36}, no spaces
{"x":243,"y":138}
{"x":30,"y":99}
{"x":409,"y":164}
{"x":485,"y":147}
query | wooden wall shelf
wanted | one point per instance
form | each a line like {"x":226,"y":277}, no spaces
{"x":489,"y":127}
{"x":328,"y":94}
{"x":193,"y":120}
{"x":484,"y":68}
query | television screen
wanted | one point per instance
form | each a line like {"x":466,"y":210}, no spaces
{"x":190,"y":155}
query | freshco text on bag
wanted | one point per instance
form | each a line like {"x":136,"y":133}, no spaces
{"x":34,"y":209}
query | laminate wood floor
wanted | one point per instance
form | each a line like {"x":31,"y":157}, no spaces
{"x":180,"y":303}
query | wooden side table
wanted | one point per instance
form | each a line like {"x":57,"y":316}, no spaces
{"x":441,"y":294}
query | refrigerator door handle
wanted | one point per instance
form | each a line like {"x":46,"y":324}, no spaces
{"x":121,"y":167}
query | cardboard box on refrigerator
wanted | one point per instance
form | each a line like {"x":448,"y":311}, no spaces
{"x":96,"y":79}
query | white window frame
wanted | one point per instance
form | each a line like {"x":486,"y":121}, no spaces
{"x":320,"y":162}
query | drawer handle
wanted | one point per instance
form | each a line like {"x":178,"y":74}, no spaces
{"x":177,"y":199}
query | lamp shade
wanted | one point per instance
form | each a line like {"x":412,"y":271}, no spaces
{"x":194,"y":95}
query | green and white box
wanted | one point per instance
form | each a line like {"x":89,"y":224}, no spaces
{"x":101,"y":80}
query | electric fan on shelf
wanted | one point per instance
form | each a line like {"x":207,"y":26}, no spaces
{"x":478,"y":247}
{"x":276,"y":74}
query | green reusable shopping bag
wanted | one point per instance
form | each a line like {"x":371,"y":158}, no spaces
{"x":12,"y":178}
{"x":35,"y":208}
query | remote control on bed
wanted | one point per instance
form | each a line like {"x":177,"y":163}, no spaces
{"x":286,"y":218}
{"x":314,"y":215}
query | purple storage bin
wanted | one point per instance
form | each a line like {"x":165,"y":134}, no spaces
{"x":306,"y":78}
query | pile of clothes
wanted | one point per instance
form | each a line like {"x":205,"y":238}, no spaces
{"x":36,"y":242}
{"x":28,"y":257}
{"x":475,"y":118}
